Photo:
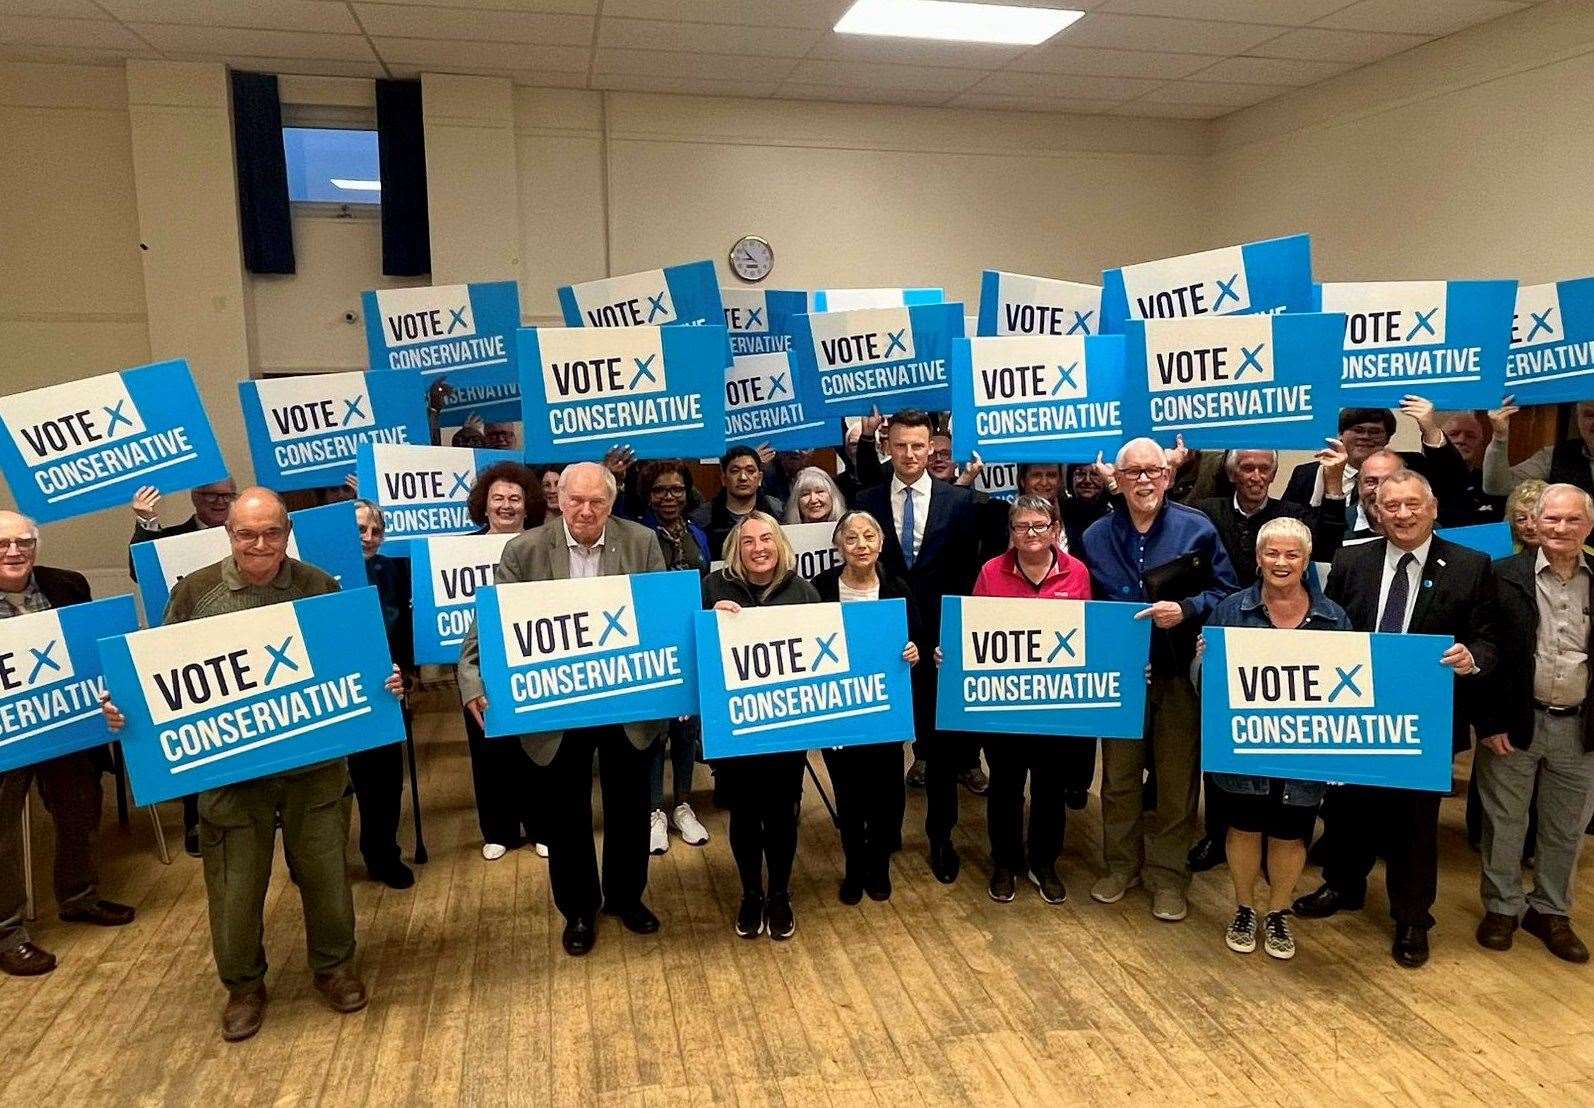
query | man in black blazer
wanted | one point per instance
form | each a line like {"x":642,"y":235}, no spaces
{"x":211,"y":503}
{"x":1408,"y":581}
{"x":932,"y":542}
{"x":69,"y":785}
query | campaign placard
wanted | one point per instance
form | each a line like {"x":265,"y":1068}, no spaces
{"x":463,"y":332}
{"x":998,"y":480}
{"x":1340,"y":706}
{"x":87,"y":445}
{"x":327,"y":538}
{"x":1028,"y":398}
{"x":577,"y":653}
{"x":853,"y":361}
{"x":850,"y":300}
{"x":231,"y":698}
{"x":1551,"y":358}
{"x":1018,"y":304}
{"x":1019,"y":666}
{"x":1442,"y":340}
{"x":305,"y":432}
{"x":795,"y":677}
{"x":813,"y":544}
{"x":1257,"y":381}
{"x":445,"y":572}
{"x":763,"y":404}
{"x":1493,"y":539}
{"x":1256,"y":278}
{"x":759,"y":320}
{"x":677,"y":294}
{"x":658,"y":390}
{"x":51,"y":679}
{"x":422,"y":490}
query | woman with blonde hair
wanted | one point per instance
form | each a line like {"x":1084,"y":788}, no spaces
{"x":815,"y":498}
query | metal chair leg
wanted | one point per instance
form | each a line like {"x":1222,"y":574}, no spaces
{"x":161,"y":849}
{"x":29,"y":908}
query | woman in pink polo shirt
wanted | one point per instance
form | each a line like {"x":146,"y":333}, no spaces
{"x":1035,"y":566}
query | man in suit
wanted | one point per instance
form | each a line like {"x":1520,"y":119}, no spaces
{"x":1466,"y":433}
{"x":1537,"y":745}
{"x":932,"y":543}
{"x":1364,"y":431}
{"x":587,"y":540}
{"x":1409,"y":581}
{"x":70,"y":784}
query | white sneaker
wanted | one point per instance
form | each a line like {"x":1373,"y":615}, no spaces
{"x":693,"y":833}
{"x":659,"y":839}
{"x":494,"y":851}
{"x":542,"y":850}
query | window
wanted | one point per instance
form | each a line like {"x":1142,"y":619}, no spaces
{"x":331,"y":165}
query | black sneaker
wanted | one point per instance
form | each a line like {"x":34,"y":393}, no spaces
{"x":851,"y":889}
{"x":191,"y":841}
{"x":779,"y":916}
{"x":750,"y":916}
{"x":878,"y":884}
{"x":1277,"y":939}
{"x":1001,"y":887}
{"x":975,"y":781}
{"x":916,"y":772}
{"x":1050,"y":885}
{"x":1076,"y":796}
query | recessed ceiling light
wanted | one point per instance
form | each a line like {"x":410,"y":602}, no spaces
{"x":949,"y":21}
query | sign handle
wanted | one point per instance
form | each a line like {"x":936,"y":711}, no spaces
{"x":29,"y":908}
{"x":829,"y":807}
{"x":415,"y":791}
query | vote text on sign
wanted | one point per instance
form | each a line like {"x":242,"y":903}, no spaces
{"x":463,"y":332}
{"x":889,"y":358}
{"x":422,"y":490}
{"x":1018,"y":304}
{"x":1551,"y":358}
{"x":677,"y":294}
{"x":1029,"y":398}
{"x":305,"y":432}
{"x":1252,"y":279}
{"x":759,"y":320}
{"x":445,"y":572}
{"x":764,"y":403}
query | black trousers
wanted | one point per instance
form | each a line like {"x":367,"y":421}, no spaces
{"x":945,"y":755}
{"x":624,"y":779}
{"x":509,"y":787}
{"x":1404,"y":825}
{"x":378,"y":779}
{"x":870,"y":800}
{"x":765,"y":793}
{"x":1041,"y":759}
{"x":1217,"y":813}
{"x":1078,"y":762}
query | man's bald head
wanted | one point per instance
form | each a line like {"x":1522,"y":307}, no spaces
{"x":255,"y":500}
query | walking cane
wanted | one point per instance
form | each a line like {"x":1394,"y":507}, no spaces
{"x":829,"y":807}
{"x":415,"y":790}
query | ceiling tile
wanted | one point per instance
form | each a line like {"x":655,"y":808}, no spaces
{"x":902,"y":51}
{"x":863,"y":75}
{"x":72,"y":55}
{"x":1271,"y":71}
{"x":1329,"y":45}
{"x":543,"y":28}
{"x":1186,"y":36}
{"x":712,"y":67}
{"x":1033,"y":104}
{"x":63,"y":9}
{"x":653,"y":34}
{"x":683,"y":86}
{"x":1287,"y":13}
{"x":550,"y":79}
{"x":818,"y":14}
{"x":459,"y":57}
{"x":1093,"y":62}
{"x":1154,"y":110}
{"x":567,"y":7}
{"x":92,"y":34}
{"x":1068,"y":85}
{"x":1195,"y":92}
{"x":1420,"y":17}
{"x":274,"y":15}
{"x":172,"y":38}
{"x":845,"y":94}
{"x":311,"y":67}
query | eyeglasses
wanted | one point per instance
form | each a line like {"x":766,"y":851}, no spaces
{"x":218,"y":497}
{"x":1030,"y":528}
{"x":668,"y":490}
{"x":941,"y":455}
{"x":857,"y":540}
{"x":1151,"y":473}
{"x":24,"y":544}
{"x":271,"y":536}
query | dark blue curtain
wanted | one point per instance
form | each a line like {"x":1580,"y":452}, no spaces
{"x":401,"y":142}
{"x":262,"y":174}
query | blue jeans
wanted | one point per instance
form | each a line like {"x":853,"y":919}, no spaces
{"x":681,"y":740}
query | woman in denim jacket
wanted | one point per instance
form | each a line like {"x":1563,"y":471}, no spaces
{"x":1283,"y":810}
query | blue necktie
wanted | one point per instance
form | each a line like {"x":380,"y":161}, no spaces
{"x":908,"y":551}
{"x":1350,"y":509}
{"x":1394,"y":616}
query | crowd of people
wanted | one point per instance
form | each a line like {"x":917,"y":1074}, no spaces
{"x":1193,"y":538}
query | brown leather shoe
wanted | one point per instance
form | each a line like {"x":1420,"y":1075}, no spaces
{"x":245,"y":1012}
{"x":343,"y":989}
{"x":1496,"y":930}
{"x":1556,"y":933}
{"x":101,"y":913}
{"x":26,"y":960}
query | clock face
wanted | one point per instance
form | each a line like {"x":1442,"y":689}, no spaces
{"x":752,"y":258}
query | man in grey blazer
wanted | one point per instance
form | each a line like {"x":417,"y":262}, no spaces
{"x":586,"y":541}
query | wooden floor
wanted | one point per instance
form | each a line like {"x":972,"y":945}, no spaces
{"x":939,"y":996}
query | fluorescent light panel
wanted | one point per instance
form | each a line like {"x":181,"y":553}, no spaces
{"x":349,"y":185}
{"x":949,"y":21}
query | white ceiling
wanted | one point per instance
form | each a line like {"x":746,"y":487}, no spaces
{"x":1125,"y":57}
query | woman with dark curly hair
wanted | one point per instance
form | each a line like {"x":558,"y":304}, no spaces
{"x":506,"y":498}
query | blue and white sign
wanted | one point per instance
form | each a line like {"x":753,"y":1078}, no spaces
{"x":51,"y":681}
{"x":466,"y":332}
{"x":1018,"y":304}
{"x":560,"y":654}
{"x":1340,"y":706}
{"x":1258,"y":381}
{"x":83,"y":446}
{"x":763,"y":404}
{"x":445,"y":572}
{"x":1443,"y":340}
{"x":658,"y":390}
{"x":422,"y":490}
{"x":1032,"y":398}
{"x":759,"y":320}
{"x":888,"y":358}
{"x":1253,"y":279}
{"x":812,"y":544}
{"x":1042,"y":667}
{"x":685,"y":294}
{"x":1551,"y":360}
{"x":305,"y":432}
{"x":1493,"y":539}
{"x":998,"y":480}
{"x":216,"y":701}
{"x":795,"y":677}
{"x":327,"y":538}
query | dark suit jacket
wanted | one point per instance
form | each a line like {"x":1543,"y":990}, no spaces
{"x":1456,"y":596}
{"x":1508,"y":709}
{"x":62,"y":587}
{"x":828,"y":585}
{"x":141,"y":535}
{"x":949,"y":553}
{"x":1442,"y":465}
{"x":1239,"y":533}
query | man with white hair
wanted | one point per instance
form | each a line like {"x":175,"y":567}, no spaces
{"x":69,"y":785}
{"x":586,"y":540}
{"x":1169,"y":557}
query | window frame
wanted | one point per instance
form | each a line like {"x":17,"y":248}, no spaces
{"x":332,"y":117}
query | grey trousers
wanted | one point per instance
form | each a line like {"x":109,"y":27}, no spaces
{"x":1565,"y":776}
{"x":70,"y":786}
{"x":1155,"y":844}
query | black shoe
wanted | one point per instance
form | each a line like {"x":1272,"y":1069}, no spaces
{"x":851,"y":890}
{"x":750,"y":916}
{"x":1206,"y":854}
{"x":191,"y":841}
{"x":779,"y":917}
{"x":878,"y":886}
{"x":1050,"y":885}
{"x":1001,"y":886}
{"x":975,"y":781}
{"x":1496,"y":931}
{"x":395,"y":875}
{"x":100,"y":913}
{"x":1324,"y":903}
{"x":916,"y":772}
{"x":944,"y":861}
{"x":637,"y":920}
{"x":1411,"y":945}
{"x":580,"y":934}
{"x":1075,"y":797}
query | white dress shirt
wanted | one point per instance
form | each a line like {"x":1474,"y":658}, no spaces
{"x":920,"y":491}
{"x":1392,"y":556}
{"x":585,"y":561}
